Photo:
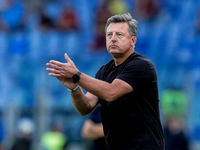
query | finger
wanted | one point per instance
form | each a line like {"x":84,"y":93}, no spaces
{"x":67,"y":58}
{"x":49,"y":69}
{"x":53,"y":70}
{"x":56,"y":62}
{"x":53,"y":66}
{"x":54,"y":75}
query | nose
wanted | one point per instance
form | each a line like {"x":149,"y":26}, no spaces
{"x":113,"y":39}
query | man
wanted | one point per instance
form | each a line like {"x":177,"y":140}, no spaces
{"x":126,"y":88}
{"x":93,"y":130}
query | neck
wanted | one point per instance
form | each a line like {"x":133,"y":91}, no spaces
{"x":120,"y":59}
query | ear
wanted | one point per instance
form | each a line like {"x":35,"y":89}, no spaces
{"x":133,"y":40}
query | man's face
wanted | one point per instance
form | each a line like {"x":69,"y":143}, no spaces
{"x":118,"y":40}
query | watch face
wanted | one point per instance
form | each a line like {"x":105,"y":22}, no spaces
{"x":75,"y":78}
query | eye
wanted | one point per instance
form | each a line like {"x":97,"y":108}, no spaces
{"x":119,"y":34}
{"x":109,"y":35}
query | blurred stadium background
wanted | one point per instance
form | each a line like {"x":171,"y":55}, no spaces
{"x":32,"y":32}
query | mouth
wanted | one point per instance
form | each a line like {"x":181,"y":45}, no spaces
{"x":113,"y":46}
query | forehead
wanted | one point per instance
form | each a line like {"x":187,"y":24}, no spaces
{"x":116,"y":27}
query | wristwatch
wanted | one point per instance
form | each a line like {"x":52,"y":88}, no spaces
{"x":76,"y":77}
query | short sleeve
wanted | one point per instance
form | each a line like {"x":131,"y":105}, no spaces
{"x":135,"y":73}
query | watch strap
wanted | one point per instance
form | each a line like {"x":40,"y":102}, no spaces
{"x":79,"y":73}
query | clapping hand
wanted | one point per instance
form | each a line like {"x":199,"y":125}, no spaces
{"x":63,"y":71}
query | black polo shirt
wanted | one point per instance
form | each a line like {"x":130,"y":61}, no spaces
{"x":132,"y":122}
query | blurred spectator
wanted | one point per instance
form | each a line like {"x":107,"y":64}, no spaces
{"x":173,"y":102}
{"x":24,"y":139}
{"x":118,"y":6}
{"x":13,"y":16}
{"x":54,"y":139}
{"x":93,"y":130}
{"x":174,"y":105}
{"x":146,"y":9}
{"x":102,"y":14}
{"x":175,"y":138}
{"x":198,"y":22}
{"x":45,"y":23}
{"x":67,"y":19}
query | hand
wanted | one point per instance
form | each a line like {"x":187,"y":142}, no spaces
{"x":67,"y":82}
{"x":64,"y":70}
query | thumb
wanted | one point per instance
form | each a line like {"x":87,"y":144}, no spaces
{"x":67,"y":58}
